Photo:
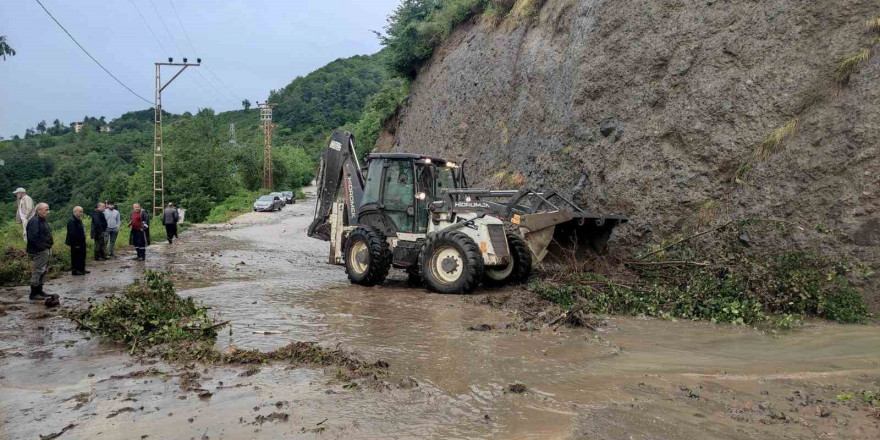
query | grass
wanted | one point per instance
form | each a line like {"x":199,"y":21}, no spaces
{"x":874,"y":24}
{"x":739,"y":177}
{"x":850,"y":65}
{"x":235,"y":205}
{"x":525,"y":11}
{"x":774,"y":140}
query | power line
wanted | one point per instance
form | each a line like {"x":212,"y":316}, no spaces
{"x":90,"y":55}
{"x":185,"y":33}
{"x":166,"y":28}
{"x":164,"y":50}
{"x":224,"y":86}
{"x":174,"y":40}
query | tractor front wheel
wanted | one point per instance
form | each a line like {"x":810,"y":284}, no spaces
{"x":451,"y":263}
{"x":518,"y":270}
{"x":367,"y":258}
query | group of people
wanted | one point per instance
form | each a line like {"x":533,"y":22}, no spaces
{"x":105,"y":224}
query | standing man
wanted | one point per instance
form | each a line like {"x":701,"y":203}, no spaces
{"x":170,"y":218}
{"x":39,"y":247}
{"x":138,"y":236}
{"x":76,"y":239}
{"x":99,"y":227}
{"x":113,"y":223}
{"x":26,"y":210}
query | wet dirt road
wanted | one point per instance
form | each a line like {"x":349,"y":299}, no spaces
{"x":636,"y":378}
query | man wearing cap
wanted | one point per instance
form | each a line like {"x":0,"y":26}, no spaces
{"x":26,"y":210}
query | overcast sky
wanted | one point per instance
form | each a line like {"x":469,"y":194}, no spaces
{"x":252,"y":46}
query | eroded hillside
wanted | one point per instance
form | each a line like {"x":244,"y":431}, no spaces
{"x":675,"y":112}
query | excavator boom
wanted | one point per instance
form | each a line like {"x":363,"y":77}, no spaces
{"x":339,"y":177}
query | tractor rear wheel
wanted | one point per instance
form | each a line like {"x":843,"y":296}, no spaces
{"x":367,"y":259}
{"x":451,"y":263}
{"x":519,"y":269}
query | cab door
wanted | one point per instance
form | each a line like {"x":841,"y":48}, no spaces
{"x":398,"y":195}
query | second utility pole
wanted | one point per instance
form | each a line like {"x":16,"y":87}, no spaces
{"x":266,"y":119}
{"x":158,"y":150}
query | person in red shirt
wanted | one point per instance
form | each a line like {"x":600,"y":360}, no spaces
{"x":138,"y":238}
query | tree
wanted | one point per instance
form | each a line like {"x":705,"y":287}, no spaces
{"x":246,"y":104}
{"x":41,"y":127}
{"x":5,"y":49}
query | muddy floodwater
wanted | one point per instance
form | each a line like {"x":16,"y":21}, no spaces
{"x":633,"y":379}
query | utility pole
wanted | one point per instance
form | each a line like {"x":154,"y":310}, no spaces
{"x":268,"y":126}
{"x":158,"y":150}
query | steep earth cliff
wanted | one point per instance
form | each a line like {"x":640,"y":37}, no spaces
{"x":656,"y":108}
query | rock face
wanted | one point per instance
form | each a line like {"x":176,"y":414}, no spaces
{"x":649,"y":107}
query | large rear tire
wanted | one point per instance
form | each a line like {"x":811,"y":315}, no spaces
{"x":520,"y":268}
{"x":451,"y":263}
{"x":367,"y":258}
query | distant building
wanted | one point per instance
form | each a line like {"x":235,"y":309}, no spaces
{"x":106,"y":129}
{"x":77,"y":126}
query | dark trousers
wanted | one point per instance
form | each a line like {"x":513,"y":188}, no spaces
{"x":170,"y":231}
{"x":78,"y":259}
{"x":139,"y":240}
{"x":100,"y":246}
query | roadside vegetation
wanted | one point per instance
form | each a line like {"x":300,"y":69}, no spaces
{"x":417,"y":27}
{"x":234,"y":205}
{"x":741,"y":272}
{"x":149,"y":319}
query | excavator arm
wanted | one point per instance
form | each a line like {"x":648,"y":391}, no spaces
{"x":339,"y":179}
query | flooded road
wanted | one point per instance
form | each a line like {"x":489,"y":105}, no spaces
{"x":635,"y":378}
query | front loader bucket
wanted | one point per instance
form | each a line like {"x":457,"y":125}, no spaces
{"x":565,"y":236}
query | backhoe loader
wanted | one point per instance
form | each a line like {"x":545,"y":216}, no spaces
{"x":416,"y":212}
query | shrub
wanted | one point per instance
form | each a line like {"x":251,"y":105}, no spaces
{"x":148,"y":313}
{"x":846,"y":306}
{"x":236,"y":204}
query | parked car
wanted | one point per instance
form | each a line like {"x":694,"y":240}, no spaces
{"x":291,"y":197}
{"x":268,"y":203}
{"x":280,"y":195}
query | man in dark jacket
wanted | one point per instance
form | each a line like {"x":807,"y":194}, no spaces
{"x":76,"y":239}
{"x":39,"y":247}
{"x":170,"y":217}
{"x":99,"y":227}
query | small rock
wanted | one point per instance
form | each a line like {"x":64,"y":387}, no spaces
{"x":407,"y":383}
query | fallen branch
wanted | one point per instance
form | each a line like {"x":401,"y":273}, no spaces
{"x":665,"y":263}
{"x":561,"y":319}
{"x":605,"y":283}
{"x":219,"y":324}
{"x":57,"y":434}
{"x":684,"y":240}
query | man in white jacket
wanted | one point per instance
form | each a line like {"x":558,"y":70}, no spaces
{"x":26,"y":210}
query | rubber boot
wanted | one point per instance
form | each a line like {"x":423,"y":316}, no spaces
{"x":37,"y":293}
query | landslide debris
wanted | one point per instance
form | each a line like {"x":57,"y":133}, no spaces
{"x":151,"y":320}
{"x":751,"y":272}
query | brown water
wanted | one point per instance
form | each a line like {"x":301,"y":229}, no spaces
{"x":637,"y":378}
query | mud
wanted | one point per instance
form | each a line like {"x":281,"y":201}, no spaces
{"x":632,"y":378}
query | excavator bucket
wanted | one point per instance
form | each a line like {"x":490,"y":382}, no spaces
{"x":565,"y":235}
{"x":552,"y":225}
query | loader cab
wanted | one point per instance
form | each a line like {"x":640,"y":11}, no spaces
{"x":399,"y":188}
